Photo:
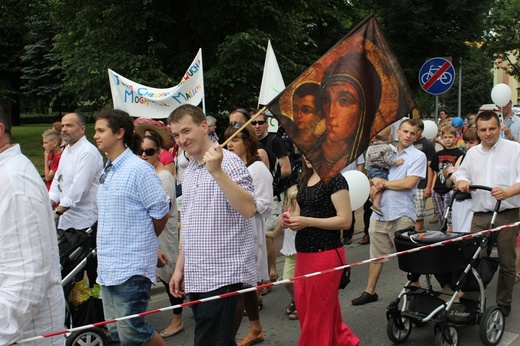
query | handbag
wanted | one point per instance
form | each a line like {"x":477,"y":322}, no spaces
{"x":345,"y":278}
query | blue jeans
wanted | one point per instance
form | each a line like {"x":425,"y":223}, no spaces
{"x":214,"y":320}
{"x":128,"y":298}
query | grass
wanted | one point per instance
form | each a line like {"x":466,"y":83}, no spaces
{"x":30,"y":139}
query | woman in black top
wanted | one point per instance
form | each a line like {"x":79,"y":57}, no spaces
{"x":323,"y":211}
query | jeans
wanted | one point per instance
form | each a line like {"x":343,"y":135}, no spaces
{"x":128,"y":298}
{"x":214,"y":320}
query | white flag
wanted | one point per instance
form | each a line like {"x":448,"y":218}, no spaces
{"x":146,"y":102}
{"x":272,"y":81}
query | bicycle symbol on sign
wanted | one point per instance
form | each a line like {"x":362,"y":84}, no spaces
{"x":445,"y":78}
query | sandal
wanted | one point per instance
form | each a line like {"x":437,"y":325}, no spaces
{"x":294,"y":315}
{"x":289,"y":309}
{"x":267,"y":289}
{"x":253,"y":337}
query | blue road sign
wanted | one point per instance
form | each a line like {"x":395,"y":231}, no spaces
{"x":436,"y":76}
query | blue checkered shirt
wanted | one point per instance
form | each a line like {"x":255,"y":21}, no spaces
{"x":217,"y":241}
{"x":129,"y":198}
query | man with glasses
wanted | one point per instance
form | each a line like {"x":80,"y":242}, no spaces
{"x":239,"y":117}
{"x":76,"y":181}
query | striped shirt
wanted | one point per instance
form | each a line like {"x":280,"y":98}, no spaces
{"x":217,"y":241}
{"x":130,"y":196}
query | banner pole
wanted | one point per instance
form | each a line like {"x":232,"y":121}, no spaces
{"x":243,"y":126}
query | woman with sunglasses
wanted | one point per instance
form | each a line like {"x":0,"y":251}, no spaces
{"x":322,"y":211}
{"x":245,"y":145}
{"x":169,"y":238}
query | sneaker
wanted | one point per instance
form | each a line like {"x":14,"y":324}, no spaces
{"x":347,"y":241}
{"x":365,"y":240}
{"x":506,"y":309}
{"x":364,"y":298}
{"x":376,"y":210}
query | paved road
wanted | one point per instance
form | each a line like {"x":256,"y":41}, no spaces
{"x":368,"y":321}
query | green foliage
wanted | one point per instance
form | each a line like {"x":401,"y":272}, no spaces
{"x":12,"y":32}
{"x":503,"y":35}
{"x":39,"y":71}
{"x":70,"y":44}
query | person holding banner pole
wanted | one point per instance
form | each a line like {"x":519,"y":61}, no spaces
{"x":218,"y":252}
{"x":322,"y":211}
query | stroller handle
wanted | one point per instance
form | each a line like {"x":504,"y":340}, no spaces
{"x":487,"y":188}
{"x":477,"y":187}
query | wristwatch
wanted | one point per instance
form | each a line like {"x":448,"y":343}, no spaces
{"x":57,"y":212}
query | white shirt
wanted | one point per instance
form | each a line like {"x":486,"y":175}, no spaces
{"x":31,"y":296}
{"x":263,"y":183}
{"x":399,"y":203}
{"x":498,"y":167}
{"x":76,"y":183}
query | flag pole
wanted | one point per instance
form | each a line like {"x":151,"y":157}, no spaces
{"x":243,"y":126}
{"x":203,"y":91}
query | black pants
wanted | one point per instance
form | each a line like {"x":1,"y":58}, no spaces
{"x":214,"y":320}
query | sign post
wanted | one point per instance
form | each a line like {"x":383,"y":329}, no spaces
{"x":436,"y":77}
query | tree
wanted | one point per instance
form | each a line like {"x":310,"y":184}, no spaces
{"x":502,"y":39}
{"x":131,"y":37}
{"x":41,"y":85}
{"x":153,"y":42}
{"x":12,"y":32}
{"x":421,"y":29}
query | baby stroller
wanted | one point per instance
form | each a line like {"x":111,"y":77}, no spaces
{"x":455,"y":265}
{"x":78,"y":253}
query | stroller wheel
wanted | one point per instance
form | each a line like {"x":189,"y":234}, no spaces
{"x":88,"y":337}
{"x":491,"y":327}
{"x":398,"y":330}
{"x":447,"y":337}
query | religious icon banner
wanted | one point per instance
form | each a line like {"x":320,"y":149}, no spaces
{"x":344,"y":99}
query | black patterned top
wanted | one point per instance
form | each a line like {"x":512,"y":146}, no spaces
{"x":315,"y":201}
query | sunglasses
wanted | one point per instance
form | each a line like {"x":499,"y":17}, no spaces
{"x":235,"y":125}
{"x":103,"y":176}
{"x":148,"y":151}
{"x":258,"y":122}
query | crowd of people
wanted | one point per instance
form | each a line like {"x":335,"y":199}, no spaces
{"x":150,"y":200}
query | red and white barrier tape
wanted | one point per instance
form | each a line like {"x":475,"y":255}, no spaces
{"x":281,"y":282}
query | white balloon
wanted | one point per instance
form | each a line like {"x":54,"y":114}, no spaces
{"x":359,"y":188}
{"x":430,"y":129}
{"x":501,"y":94}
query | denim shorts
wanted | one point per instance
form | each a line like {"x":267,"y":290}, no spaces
{"x":128,"y":298}
{"x":373,"y":172}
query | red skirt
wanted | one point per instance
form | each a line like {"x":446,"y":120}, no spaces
{"x":317,"y":301}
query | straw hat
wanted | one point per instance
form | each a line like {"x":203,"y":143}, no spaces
{"x":144,"y":124}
